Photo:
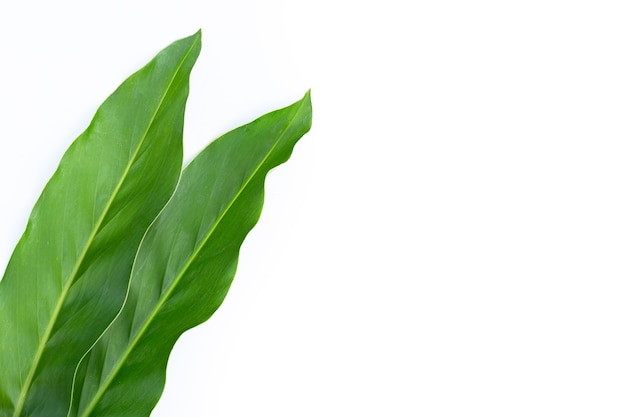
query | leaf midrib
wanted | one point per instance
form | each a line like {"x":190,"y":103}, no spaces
{"x":66,"y":288}
{"x":168,"y":293}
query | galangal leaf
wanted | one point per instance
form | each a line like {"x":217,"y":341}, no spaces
{"x":68,"y":276}
{"x":185,"y":264}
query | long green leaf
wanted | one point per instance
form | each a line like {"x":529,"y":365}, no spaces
{"x":185,"y":264}
{"x":68,"y":276}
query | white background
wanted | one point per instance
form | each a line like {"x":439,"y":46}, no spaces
{"x":450,"y":238}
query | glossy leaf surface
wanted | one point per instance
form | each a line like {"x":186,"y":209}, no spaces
{"x":68,"y":275}
{"x":185,"y":264}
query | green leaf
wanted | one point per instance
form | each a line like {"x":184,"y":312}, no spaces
{"x":68,"y":276}
{"x":185,"y":264}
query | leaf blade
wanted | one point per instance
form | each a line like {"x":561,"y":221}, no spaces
{"x":85,"y":227}
{"x":124,"y":373}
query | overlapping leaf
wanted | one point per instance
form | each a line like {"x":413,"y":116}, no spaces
{"x":185,"y":264}
{"x":68,"y":275}
{"x":66,"y":348}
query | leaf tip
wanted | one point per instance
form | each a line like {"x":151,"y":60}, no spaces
{"x":196,"y":38}
{"x":306,"y":101}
